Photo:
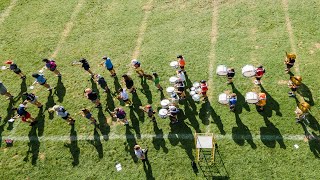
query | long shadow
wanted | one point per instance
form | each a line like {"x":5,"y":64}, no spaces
{"x":73,"y":146}
{"x":188,"y":82}
{"x":34,"y":145}
{"x":305,"y":92}
{"x":314,"y":145}
{"x":23,"y":88}
{"x":110,"y":102}
{"x":158,"y":141}
{"x":41,"y":120}
{"x":103,"y":125}
{"x":60,"y":90}
{"x":272,"y":105}
{"x":185,"y":136}
{"x":148,"y":170}
{"x":314,"y":124}
{"x":145,"y":90}
{"x":191,"y":102}
{"x":242,"y":133}
{"x":96,"y":142}
{"x":136,"y":103}
{"x":116,"y":83}
{"x":162,"y":95}
{"x":10,"y":113}
{"x":270,"y":135}
{"x":94,"y":87}
{"x":206,"y":111}
{"x":241,"y":101}
{"x":50,"y":103}
{"x":189,"y":113}
{"x":131,"y":142}
{"x":135,"y":123}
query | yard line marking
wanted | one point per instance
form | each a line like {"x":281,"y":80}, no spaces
{"x":291,"y":137}
{"x":143,"y":26}
{"x":212,"y":55}
{"x":290,"y":32}
{"x":68,"y":28}
{"x":7,"y":11}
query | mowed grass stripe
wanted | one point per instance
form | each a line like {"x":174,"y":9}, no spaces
{"x":7,"y":11}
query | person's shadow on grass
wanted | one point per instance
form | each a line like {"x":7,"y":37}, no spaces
{"x":270,"y":135}
{"x":50,"y":103}
{"x":136,"y":104}
{"x":145,"y":90}
{"x":60,"y":90}
{"x":110,"y":102}
{"x":41,"y":120}
{"x":103,"y":125}
{"x":242,"y":133}
{"x":33,"y":146}
{"x":313,"y":140}
{"x":206,"y":111}
{"x":272,"y":104}
{"x":158,"y":141}
{"x":23,"y":88}
{"x":94,"y":87}
{"x":135,"y":123}
{"x":148,"y":169}
{"x":96,"y":142}
{"x":10,"y":114}
{"x":131,"y":142}
{"x":305,"y":92}
{"x":116,"y":83}
{"x":241,"y":101}
{"x":189,"y":113}
{"x":73,"y":146}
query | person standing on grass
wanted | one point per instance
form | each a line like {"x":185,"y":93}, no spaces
{"x":173,"y":114}
{"x":87,"y":114}
{"x":32,"y":98}
{"x":93,"y":97}
{"x":102,"y":83}
{"x":181,"y":75}
{"x":4,"y":91}
{"x":180,"y":89}
{"x":108,"y":64}
{"x":40,"y":79}
{"x":259,"y":73}
{"x":150,"y":112}
{"x":24,"y":115}
{"x":52,"y":66}
{"x":204,"y":89}
{"x":156,"y":81}
{"x":230,"y":75}
{"x":232,"y":102}
{"x":124,"y":96}
{"x":262,"y":101}
{"x":294,"y":83}
{"x":86,"y":66}
{"x":63,"y":113}
{"x":181,"y":63}
{"x":120,"y":114}
{"x":289,"y":61}
{"x":137,"y":67}
{"x":13,"y":67}
{"x":140,"y":153}
{"x":129,"y":83}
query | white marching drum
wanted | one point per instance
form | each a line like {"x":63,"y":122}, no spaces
{"x":174,"y":64}
{"x":192,"y":89}
{"x":248,"y":71}
{"x":223,"y":98}
{"x":196,"y":85}
{"x":163,"y":113}
{"x":221,"y":70}
{"x":196,"y":97}
{"x":252,"y":98}
{"x":170,"y":90}
{"x":192,"y":93}
{"x":173,"y":79}
{"x":165,"y":103}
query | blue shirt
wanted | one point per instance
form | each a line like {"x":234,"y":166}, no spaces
{"x":40,"y":79}
{"x":108,"y":63}
{"x":233,"y":101}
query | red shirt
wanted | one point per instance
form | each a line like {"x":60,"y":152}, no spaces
{"x":259,"y":72}
{"x":204,"y":87}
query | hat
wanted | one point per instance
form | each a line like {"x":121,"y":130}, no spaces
{"x":9,"y":62}
{"x":21,"y":105}
{"x":88,"y":90}
{"x":134,"y":61}
{"x":203,"y":81}
{"x":179,"y":56}
{"x":137,"y":147}
{"x":105,"y":57}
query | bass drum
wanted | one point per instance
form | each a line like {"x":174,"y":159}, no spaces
{"x":163,"y":113}
{"x":252,"y":98}
{"x":248,"y":71}
{"x":223,"y":98}
{"x":174,"y":64}
{"x":221,"y":70}
{"x":196,"y":97}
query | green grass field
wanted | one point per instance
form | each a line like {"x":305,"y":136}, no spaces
{"x":252,"y":145}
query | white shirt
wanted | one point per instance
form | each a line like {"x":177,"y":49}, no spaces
{"x":124,"y":95}
{"x":61,"y":113}
{"x":139,"y":153}
{"x":181,"y":76}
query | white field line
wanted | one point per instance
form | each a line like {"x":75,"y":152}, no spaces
{"x":143,"y":26}
{"x":68,"y":28}
{"x":290,"y":32}
{"x":212,"y":55}
{"x":291,"y":137}
{"x":7,"y":11}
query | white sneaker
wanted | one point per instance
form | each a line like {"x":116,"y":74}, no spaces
{"x":256,"y":82}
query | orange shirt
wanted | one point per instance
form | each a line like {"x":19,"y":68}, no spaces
{"x":181,"y":62}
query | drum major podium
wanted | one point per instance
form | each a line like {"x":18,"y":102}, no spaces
{"x":205,"y":146}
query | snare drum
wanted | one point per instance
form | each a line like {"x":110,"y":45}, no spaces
{"x":170,"y":90}
{"x":196,"y":85}
{"x":192,"y":89}
{"x":192,"y":93}
{"x":174,"y":64}
{"x":173,"y":79}
{"x":252,"y":98}
{"x":165,"y":103}
{"x":223,"y":98}
{"x":248,"y":71}
{"x":221,"y":70}
{"x":163,"y":113}
{"x":196,"y":97}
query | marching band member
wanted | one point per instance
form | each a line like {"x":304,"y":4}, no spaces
{"x":289,"y":61}
{"x":262,"y":101}
{"x":294,"y":83}
{"x":259,"y":73}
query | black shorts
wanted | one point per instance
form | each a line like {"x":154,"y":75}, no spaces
{"x":258,"y":78}
{"x":289,"y":66}
{"x":230,"y":77}
{"x":44,"y":82}
{"x":181,"y":67}
{"x":129,"y":87}
{"x":110,"y":69}
{"x":17,"y":71}
{"x":66,"y":117}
